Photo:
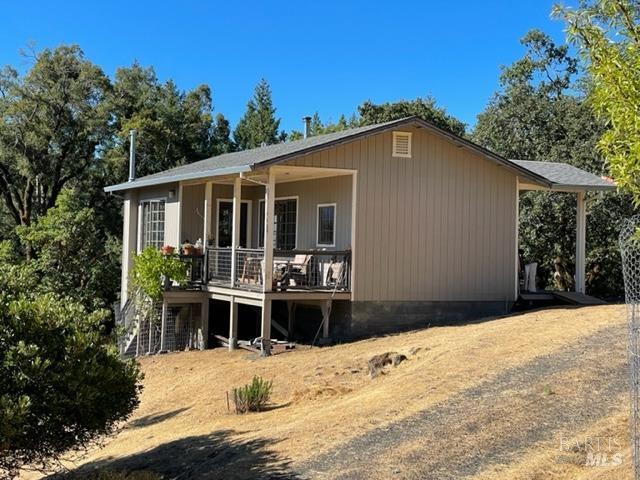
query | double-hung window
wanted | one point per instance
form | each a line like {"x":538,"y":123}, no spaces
{"x":152,"y":223}
{"x":285,"y":224}
{"x":326,"y":225}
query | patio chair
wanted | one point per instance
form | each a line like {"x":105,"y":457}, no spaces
{"x":300,"y":269}
{"x":335,"y":274}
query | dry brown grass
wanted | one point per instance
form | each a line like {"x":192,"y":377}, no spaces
{"x":324,"y":396}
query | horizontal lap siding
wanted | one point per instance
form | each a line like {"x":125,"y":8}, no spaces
{"x":436,"y":227}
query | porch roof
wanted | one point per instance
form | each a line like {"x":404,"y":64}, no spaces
{"x":566,"y":177}
{"x":247,"y":160}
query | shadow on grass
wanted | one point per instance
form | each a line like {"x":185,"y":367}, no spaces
{"x":153,"y":419}
{"x":212,"y":456}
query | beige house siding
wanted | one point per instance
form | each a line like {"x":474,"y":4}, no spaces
{"x":439,"y":226}
{"x":192,"y":216}
{"x":310,"y":193}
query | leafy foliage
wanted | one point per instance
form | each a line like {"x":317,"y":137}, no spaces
{"x":72,"y":255}
{"x":175,"y":127}
{"x":259,"y":124}
{"x":540,"y":115}
{"x":150,"y":267}
{"x":252,"y":397}
{"x":608,"y":35}
{"x":63,"y":384}
{"x":51,"y":122}
{"x":424,"y":108}
{"x":370,"y":113}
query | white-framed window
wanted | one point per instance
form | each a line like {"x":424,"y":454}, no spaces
{"x":285,"y":218}
{"x":326,"y":226}
{"x":152,"y":223}
{"x":402,"y":144}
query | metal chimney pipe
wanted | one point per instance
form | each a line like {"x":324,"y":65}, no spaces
{"x":132,"y":155}
{"x":307,"y":126}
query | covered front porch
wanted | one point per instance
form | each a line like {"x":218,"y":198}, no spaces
{"x":304,"y":217}
{"x":282,"y":234}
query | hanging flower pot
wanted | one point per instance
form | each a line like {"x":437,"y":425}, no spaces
{"x":167,"y":250}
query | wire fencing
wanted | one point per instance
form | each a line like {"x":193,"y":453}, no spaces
{"x":630,"y":250}
{"x":182,"y":330}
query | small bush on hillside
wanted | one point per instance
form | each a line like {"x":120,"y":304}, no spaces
{"x":253,"y":396}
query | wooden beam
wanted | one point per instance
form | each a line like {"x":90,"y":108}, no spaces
{"x":233,"y":324}
{"x":129,"y":240}
{"x":163,"y":325}
{"x":581,"y":234}
{"x":235,"y":230}
{"x":326,"y":313}
{"x":269,"y":205}
{"x":208,"y":213}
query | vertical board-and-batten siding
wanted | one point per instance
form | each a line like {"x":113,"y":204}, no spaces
{"x":310,"y":194}
{"x":439,"y":226}
{"x":192,"y":217}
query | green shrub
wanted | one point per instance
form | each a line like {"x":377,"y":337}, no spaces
{"x":151,"y":266}
{"x":253,"y":396}
{"x":63,"y":385}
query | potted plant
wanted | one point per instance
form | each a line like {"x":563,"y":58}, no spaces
{"x":188,"y":248}
{"x":167,"y":250}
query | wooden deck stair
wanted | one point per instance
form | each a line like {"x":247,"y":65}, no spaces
{"x":576,"y":298}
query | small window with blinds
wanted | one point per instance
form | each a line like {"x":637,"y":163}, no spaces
{"x":402,"y":144}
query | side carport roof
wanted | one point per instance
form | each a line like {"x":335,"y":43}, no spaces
{"x":566,"y":177}
{"x":247,"y":160}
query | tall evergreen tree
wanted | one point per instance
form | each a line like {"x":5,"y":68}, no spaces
{"x":259,"y":125}
{"x":221,"y":136}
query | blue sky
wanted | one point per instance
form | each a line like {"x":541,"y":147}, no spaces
{"x":325,"y":56}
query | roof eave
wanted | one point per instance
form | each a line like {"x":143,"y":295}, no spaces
{"x":587,"y":188}
{"x":176,"y":178}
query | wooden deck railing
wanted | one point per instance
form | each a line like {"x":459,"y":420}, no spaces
{"x":292,"y":269}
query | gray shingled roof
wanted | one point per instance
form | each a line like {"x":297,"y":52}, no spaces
{"x":562,"y":175}
{"x":243,"y":161}
{"x":539,"y":173}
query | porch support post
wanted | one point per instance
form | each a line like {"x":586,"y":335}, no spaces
{"x":208,"y":198}
{"x":233,"y":324}
{"x":326,"y":313}
{"x":235,"y":231}
{"x":581,"y":233}
{"x":266,"y":327}
{"x":269,"y":203}
{"x":129,"y":240}
{"x":163,"y":326}
{"x":291,"y":310}
{"x":204,"y":323}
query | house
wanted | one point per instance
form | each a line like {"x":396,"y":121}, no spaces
{"x":375,"y":228}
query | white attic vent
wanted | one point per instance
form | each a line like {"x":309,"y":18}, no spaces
{"x":402,"y":144}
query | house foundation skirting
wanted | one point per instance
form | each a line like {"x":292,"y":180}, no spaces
{"x":351,"y":320}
